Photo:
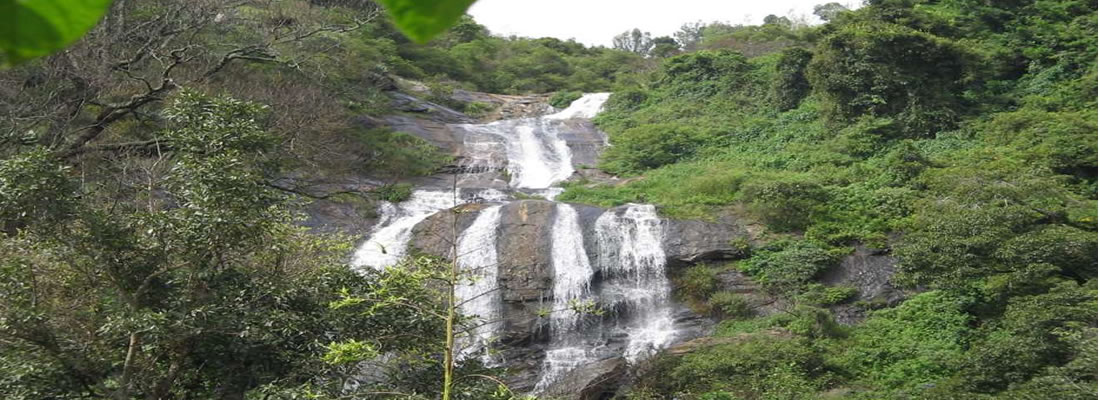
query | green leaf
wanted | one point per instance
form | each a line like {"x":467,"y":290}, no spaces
{"x":421,"y":20}
{"x":34,"y":28}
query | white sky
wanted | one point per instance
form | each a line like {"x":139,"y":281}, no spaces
{"x":595,"y":22}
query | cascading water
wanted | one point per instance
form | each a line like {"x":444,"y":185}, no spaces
{"x":572,"y":283}
{"x":633,"y":264}
{"x":625,"y":278}
{"x":389,"y":238}
{"x":478,"y":295}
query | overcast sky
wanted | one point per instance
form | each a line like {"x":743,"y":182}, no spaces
{"x":595,"y":22}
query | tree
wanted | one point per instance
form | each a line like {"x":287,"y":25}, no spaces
{"x":184,"y":277}
{"x":689,"y":35}
{"x":790,"y":85}
{"x":664,"y":46}
{"x":141,"y":52}
{"x":856,"y":70}
{"x":772,"y":19}
{"x":828,"y":11}
{"x":634,"y":41}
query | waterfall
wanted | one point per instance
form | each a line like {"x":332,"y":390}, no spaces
{"x":390,"y":236}
{"x":625,"y":277}
{"x":585,"y":107}
{"x":536,"y":156}
{"x":572,"y":283}
{"x":387,"y":242}
{"x":633,"y":266}
{"x":478,"y":295}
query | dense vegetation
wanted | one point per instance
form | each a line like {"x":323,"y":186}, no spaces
{"x":958,"y":136}
{"x":151,"y":178}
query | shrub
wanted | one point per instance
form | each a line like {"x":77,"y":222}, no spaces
{"x":34,"y":190}
{"x":731,"y":305}
{"x":564,"y":99}
{"x":821,"y":295}
{"x":394,"y":193}
{"x":397,"y":154}
{"x":790,"y":86}
{"x":786,"y":203}
{"x":917,"y":342}
{"x":890,"y":70}
{"x":650,"y":146}
{"x":704,"y":73}
{"x":786,"y":266}
{"x":758,"y":366}
{"x":477,"y":108}
{"x":698,"y":282}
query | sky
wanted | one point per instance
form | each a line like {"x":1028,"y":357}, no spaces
{"x":595,"y":22}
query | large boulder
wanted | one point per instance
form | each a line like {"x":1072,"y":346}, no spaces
{"x":869,"y":271}
{"x":690,"y":242}
{"x":595,"y":381}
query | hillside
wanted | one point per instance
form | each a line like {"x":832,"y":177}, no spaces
{"x":204,"y":200}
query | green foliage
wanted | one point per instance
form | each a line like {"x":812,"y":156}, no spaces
{"x":821,"y":295}
{"x":698,"y":282}
{"x":788,"y":203}
{"x":890,"y":70}
{"x":422,"y":20}
{"x":200,"y":267}
{"x":394,"y":193}
{"x":785,"y":266}
{"x":730,"y":305}
{"x":398,"y":154}
{"x":790,"y":86}
{"x":564,"y":99}
{"x":650,"y":146}
{"x":35,"y":190}
{"x":34,"y":28}
{"x":753,"y":366}
{"x":350,"y":351}
{"x":477,"y":109}
{"x":974,"y":168}
{"x":918,"y":342}
{"x":704,"y":73}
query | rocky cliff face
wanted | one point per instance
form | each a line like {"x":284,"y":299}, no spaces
{"x":618,"y":258}
{"x":526,"y":279}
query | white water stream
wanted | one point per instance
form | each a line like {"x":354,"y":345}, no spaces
{"x":625,"y":277}
{"x":478,"y":295}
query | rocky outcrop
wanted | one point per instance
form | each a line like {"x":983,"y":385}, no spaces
{"x":596,"y":381}
{"x":869,"y":271}
{"x":525,"y":276}
{"x":690,"y":242}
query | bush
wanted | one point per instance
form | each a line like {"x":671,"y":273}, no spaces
{"x":916,"y":343}
{"x":394,"y":193}
{"x":397,"y":154}
{"x":786,"y":203}
{"x":821,"y":295}
{"x":650,"y":146}
{"x":731,"y":305}
{"x":477,"y":109}
{"x":564,"y":99}
{"x":786,"y":266}
{"x":889,"y":70}
{"x":790,"y":86}
{"x":698,"y":282}
{"x":34,"y":190}
{"x":704,"y":73}
{"x":756,"y":366}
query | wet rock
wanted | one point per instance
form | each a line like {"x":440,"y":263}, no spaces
{"x":871,"y":272}
{"x":868,"y":270}
{"x":596,"y":381}
{"x":690,"y":242}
